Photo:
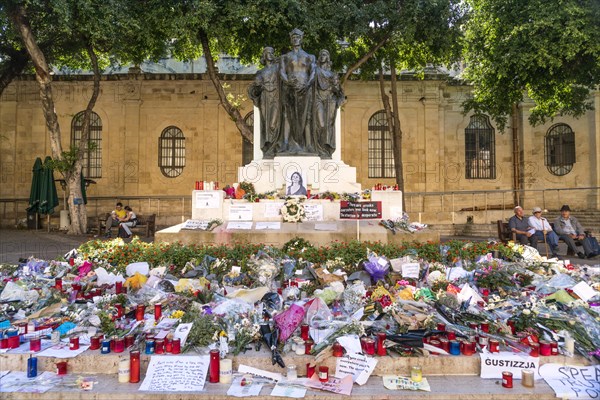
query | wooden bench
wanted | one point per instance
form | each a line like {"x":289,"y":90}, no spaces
{"x":146,"y":224}
{"x":505,"y":235}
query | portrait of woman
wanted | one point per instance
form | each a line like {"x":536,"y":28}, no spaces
{"x":296,"y":187}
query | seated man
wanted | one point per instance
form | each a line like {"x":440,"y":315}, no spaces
{"x":569,"y":230}
{"x":114,"y":218}
{"x":520,"y":226}
{"x":543,"y":231}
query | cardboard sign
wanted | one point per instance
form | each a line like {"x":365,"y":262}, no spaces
{"x":360,"y":210}
{"x":572,"y":382}
{"x":176,"y":373}
{"x":493,"y":364}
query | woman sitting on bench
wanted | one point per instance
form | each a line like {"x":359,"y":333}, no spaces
{"x":128,"y":222}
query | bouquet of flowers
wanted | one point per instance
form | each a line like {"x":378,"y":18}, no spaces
{"x":293,"y":209}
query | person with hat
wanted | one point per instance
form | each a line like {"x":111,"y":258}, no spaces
{"x":519,"y":225}
{"x":543,"y":231}
{"x":569,"y":229}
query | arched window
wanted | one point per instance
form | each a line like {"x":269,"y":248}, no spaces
{"x":480,"y":149}
{"x":171,"y":152}
{"x":92,"y":159}
{"x":381,"y":154}
{"x":247,"y":147}
{"x":560,"y":149}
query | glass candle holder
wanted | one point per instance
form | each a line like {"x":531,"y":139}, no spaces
{"x":157,"y":311}
{"x":129,"y":340}
{"x":535,"y":350}
{"x":139,"y":312}
{"x":159,"y":346}
{"x":494,"y":346}
{"x":292,"y":374}
{"x":507,"y":379}
{"x":105,"y":349}
{"x":368,"y":346}
{"x":35,"y":344}
{"x":118,"y":287}
{"x":74,"y":343}
{"x":214,"y":366}
{"x":553,"y":348}
{"x":323,"y":374}
{"x":545,"y":349}
{"x":381,"y":336}
{"x":338,"y":350}
{"x":225,"y":370}
{"x":61,"y":368}
{"x":310,"y":370}
{"x":150,"y":346}
{"x":58,"y":284}
{"x":134,"y":366}
{"x":176,"y":346}
{"x":308,"y":346}
{"x":95,"y":342}
{"x":119,"y":345}
{"x":304,"y":332}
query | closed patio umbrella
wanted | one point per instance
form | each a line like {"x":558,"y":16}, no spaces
{"x":48,"y":194}
{"x":34,"y":194}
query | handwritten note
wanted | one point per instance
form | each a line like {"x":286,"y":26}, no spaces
{"x":313,"y":212}
{"x":572,"y":382}
{"x":335,"y":385}
{"x":176,"y":373}
{"x":358,"y":366}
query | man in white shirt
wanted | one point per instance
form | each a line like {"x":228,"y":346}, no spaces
{"x":542,"y":228}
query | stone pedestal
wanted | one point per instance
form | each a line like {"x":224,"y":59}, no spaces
{"x":391,"y":203}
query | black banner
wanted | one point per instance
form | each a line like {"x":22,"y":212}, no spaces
{"x":360,"y":210}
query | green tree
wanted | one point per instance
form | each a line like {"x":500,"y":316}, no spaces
{"x":546,"y":50}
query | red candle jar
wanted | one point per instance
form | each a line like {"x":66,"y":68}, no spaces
{"x":535,"y":350}
{"x":94,"y":342}
{"x":113,"y":341}
{"x":71,"y":261}
{"x":129,"y":340}
{"x":119,"y":345}
{"x":381,"y":343}
{"x":369,"y":346}
{"x":4,"y":343}
{"x":451,"y":335}
{"x":214,"y":367}
{"x":445,"y":344}
{"x":201,"y":185}
{"x":485,"y":327}
{"x":159,"y":346}
{"x":554,"y":348}
{"x":118,"y":287}
{"x":494,"y":346}
{"x":323,"y":374}
{"x":304,"y":334}
{"x":13,"y":341}
{"x":176,"y":346}
{"x":338,"y":350}
{"x":507,"y":379}
{"x":310,"y":370}
{"x":58,"y":284}
{"x":74,"y":343}
{"x":134,"y":366}
{"x":139,"y":312}
{"x":61,"y":368}
{"x":473,"y":325}
{"x":157,"y":311}
{"x":545,"y":349}
{"x":35,"y":344}
{"x":308,"y":344}
{"x":168,"y":345}
{"x":119,"y":308}
{"x":511,"y":324}
{"x":441,"y":326}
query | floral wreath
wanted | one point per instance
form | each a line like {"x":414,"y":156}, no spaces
{"x":293,"y":209}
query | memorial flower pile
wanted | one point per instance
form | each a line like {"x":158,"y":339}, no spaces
{"x":307,"y":298}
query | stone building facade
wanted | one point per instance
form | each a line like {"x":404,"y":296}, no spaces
{"x":158,"y":133}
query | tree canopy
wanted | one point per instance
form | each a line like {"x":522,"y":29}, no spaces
{"x":547,"y":50}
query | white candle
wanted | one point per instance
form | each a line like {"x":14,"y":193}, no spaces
{"x":124,"y":370}
{"x":570,"y":345}
{"x":225,"y":370}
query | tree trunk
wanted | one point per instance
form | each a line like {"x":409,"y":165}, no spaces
{"x":233,"y":112}
{"x":42,"y":75}
{"x":364,"y":59}
{"x":516,"y":156}
{"x":394,"y":124}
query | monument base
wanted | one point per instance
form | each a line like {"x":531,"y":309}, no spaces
{"x":318,"y":233}
{"x":318,"y":174}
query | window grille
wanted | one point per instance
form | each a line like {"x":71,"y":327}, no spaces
{"x":560,"y":149}
{"x":92,"y":158}
{"x":480,"y":149}
{"x":381,"y":153}
{"x":171,"y":152}
{"x":247,"y":147}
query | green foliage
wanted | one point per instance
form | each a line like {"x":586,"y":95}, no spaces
{"x":547,"y":50}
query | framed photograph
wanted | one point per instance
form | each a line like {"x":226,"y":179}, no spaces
{"x":295,"y":184}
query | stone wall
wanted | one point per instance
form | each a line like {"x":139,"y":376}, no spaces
{"x":135,"y":109}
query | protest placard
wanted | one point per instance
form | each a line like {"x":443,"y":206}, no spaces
{"x":572,"y":382}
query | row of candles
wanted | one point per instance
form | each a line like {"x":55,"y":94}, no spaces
{"x":204,"y":185}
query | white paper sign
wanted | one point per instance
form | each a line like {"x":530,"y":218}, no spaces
{"x":176,"y":374}
{"x":195,"y":224}
{"x":246,"y":225}
{"x":182,"y":331}
{"x":572,"y":382}
{"x":207,"y":200}
{"x":584,"y":291}
{"x":493,"y":364}
{"x":272,"y":209}
{"x":240,"y":212}
{"x":267,"y":225}
{"x":289,"y":390}
{"x":245,"y":369}
{"x":455,"y":273}
{"x":314,"y":212}
{"x":237,"y":390}
{"x":359,"y":366}
{"x":410,"y":270}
